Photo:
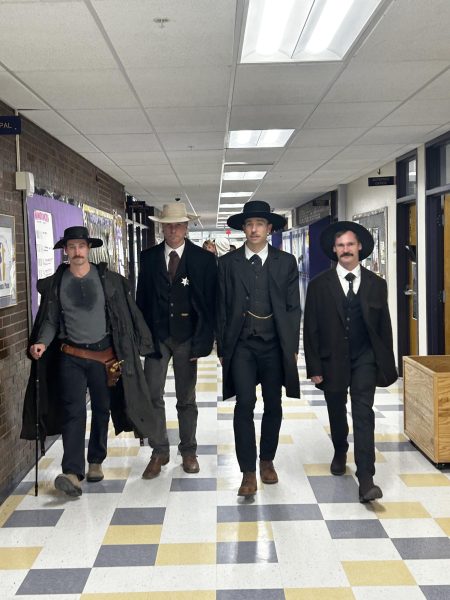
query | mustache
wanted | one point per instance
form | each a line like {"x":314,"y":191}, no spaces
{"x":347,"y":254}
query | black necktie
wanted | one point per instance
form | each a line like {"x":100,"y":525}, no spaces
{"x":256,"y":262}
{"x":350,"y":277}
{"x":174,"y":261}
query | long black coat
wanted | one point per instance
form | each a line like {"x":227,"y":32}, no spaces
{"x":201,"y":270}
{"x":131,"y":408}
{"x":232,"y":304}
{"x":326,"y":349}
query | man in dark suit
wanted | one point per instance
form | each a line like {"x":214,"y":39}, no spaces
{"x":176,"y":294}
{"x":258,"y":328}
{"x":348,"y":344}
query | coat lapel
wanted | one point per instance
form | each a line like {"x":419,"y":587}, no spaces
{"x":364,"y":292}
{"x":273,"y":267}
{"x":241,"y":266}
{"x":338,"y":293}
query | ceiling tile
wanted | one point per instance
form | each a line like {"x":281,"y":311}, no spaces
{"x":437,"y":90}
{"x":195,"y":141}
{"x":314,"y":138}
{"x":138,"y":142}
{"x":349,"y":114}
{"x":16,"y":95}
{"x":110,"y":121}
{"x":49,"y":121}
{"x":125,"y":159}
{"x":210,"y":118}
{"x":254,"y":156}
{"x":269,"y":117}
{"x":394,"y":135}
{"x":77,"y":143}
{"x":420,"y":112}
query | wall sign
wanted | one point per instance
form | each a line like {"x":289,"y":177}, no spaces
{"x":10,"y":125}
{"x":388,"y":180}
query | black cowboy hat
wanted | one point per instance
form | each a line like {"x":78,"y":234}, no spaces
{"x":327,"y":238}
{"x":256,"y":209}
{"x":77,"y":233}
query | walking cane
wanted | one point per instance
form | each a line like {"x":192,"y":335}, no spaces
{"x":38,"y":435}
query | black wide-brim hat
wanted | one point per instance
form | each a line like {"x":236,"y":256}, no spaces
{"x":327,"y":238}
{"x":256,"y":209}
{"x":77,"y":233}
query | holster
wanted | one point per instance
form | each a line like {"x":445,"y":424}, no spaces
{"x":106,"y":357}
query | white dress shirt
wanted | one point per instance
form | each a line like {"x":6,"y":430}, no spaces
{"x":263,"y":254}
{"x":168,"y":250}
{"x":345,"y":284}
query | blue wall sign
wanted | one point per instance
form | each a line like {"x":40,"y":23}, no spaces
{"x":10,"y":125}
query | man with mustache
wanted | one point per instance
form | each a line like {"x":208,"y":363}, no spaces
{"x":348,"y":344}
{"x":87,"y":322}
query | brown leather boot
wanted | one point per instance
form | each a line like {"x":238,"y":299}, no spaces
{"x":95,"y":472}
{"x":248,"y":486}
{"x":190,"y":464}
{"x":69,"y":484}
{"x":267,"y":472}
{"x":153,"y":469}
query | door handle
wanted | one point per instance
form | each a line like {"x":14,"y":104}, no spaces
{"x":409,"y":292}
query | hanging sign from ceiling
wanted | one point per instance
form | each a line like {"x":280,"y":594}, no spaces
{"x":10,"y":125}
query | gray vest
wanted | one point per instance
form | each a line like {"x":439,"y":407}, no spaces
{"x":258,"y":304}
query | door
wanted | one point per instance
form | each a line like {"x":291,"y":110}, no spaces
{"x":411,"y":287}
{"x":446,"y":297}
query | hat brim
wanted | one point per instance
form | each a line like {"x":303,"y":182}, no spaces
{"x":237,"y":221}
{"x":186,"y":219}
{"x":364,"y":236}
{"x":94,"y":242}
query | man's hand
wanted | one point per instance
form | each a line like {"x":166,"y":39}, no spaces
{"x":37,"y":350}
{"x":317,"y":379}
{"x":192,"y":359}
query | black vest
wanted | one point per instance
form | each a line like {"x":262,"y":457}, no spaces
{"x":259,"y":304}
{"x":177,"y":317}
{"x":355,"y":328}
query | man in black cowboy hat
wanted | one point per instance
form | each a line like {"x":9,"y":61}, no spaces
{"x":257,"y":336}
{"x":86,"y":318}
{"x":348,"y":344}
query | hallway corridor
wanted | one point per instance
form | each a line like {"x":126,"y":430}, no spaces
{"x":188,"y":537}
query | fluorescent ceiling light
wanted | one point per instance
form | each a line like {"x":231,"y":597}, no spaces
{"x":243,"y":175}
{"x":259,"y":138}
{"x":231,"y":206}
{"x":303,"y":30}
{"x":235,"y":194}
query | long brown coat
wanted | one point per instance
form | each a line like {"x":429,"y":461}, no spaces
{"x":232,"y":304}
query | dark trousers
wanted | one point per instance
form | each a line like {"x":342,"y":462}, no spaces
{"x":256,"y":361}
{"x":185,"y":371}
{"x":76,"y":376}
{"x":362,"y":391}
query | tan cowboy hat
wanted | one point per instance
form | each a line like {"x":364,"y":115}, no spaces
{"x":175,"y":212}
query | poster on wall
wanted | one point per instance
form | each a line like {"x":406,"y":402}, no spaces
{"x":8,"y":284}
{"x":376,"y":222}
{"x":106,"y":226}
{"x":45,"y":255}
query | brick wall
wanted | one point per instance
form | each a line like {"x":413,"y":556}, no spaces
{"x":57,"y":168}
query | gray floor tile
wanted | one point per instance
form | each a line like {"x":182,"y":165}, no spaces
{"x":389,"y":407}
{"x":334,"y":489}
{"x":54,"y":581}
{"x":422,"y":548}
{"x":194,"y":484}
{"x":246,"y":552}
{"x":250,"y":595}
{"x":34,"y":518}
{"x":224,"y":460}
{"x":138,"y":516}
{"x":23,"y":488}
{"x":436,"y":592}
{"x":394,"y":447}
{"x":126,"y":555}
{"x":107,"y":486}
{"x":352,"y":529}
{"x":270,"y":512}
{"x":206,"y":404}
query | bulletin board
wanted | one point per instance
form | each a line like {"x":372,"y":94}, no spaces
{"x":376,"y":222}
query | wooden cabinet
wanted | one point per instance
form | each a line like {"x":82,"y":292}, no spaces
{"x":426,"y":386}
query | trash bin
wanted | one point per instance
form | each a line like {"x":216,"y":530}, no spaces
{"x":426,"y":387}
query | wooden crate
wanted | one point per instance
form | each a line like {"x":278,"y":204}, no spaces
{"x":426,"y":387}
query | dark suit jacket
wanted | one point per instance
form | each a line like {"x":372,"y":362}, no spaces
{"x":326,"y":349}
{"x":232,"y":304}
{"x":202,"y":273}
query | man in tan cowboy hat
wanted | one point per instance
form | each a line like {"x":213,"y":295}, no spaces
{"x":87,"y":321}
{"x":348,"y":345}
{"x":176,"y":294}
{"x":258,"y":330}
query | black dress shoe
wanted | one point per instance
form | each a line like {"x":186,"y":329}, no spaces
{"x":368,"y":491}
{"x":338,"y":464}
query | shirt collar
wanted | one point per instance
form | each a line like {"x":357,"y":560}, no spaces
{"x":343,"y":272}
{"x":168,"y":250}
{"x":263,"y":254}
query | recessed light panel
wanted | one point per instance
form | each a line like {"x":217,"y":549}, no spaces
{"x":259,"y":138}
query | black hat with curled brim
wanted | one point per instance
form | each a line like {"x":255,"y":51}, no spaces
{"x":77,"y":233}
{"x":256,"y":209}
{"x":327,"y":238}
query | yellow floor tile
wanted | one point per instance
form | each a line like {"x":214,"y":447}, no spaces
{"x":319,"y":469}
{"x":390,"y":437}
{"x":319,"y":594}
{"x":244,"y":531}
{"x":132,"y":534}
{"x":172,"y":424}
{"x":425,"y":480}
{"x":378,"y":573}
{"x":116,"y":473}
{"x":8,"y":507}
{"x":186,"y":554}
{"x":124,"y":450}
{"x":206,"y":387}
{"x":225,"y":410}
{"x":225,"y":449}
{"x":118,"y":596}
{"x":444,"y":524}
{"x":301,"y":416}
{"x":285,"y":439}
{"x":45,"y":462}
{"x":295,"y":403}
{"x":18,"y":558}
{"x":400,"y":510}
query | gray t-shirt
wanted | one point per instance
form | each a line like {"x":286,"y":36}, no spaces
{"x":83,"y":317}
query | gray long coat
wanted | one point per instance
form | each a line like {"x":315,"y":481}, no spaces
{"x":131,"y":408}
{"x":232,"y":304}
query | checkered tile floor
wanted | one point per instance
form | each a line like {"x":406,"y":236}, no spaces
{"x":188,"y":537}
